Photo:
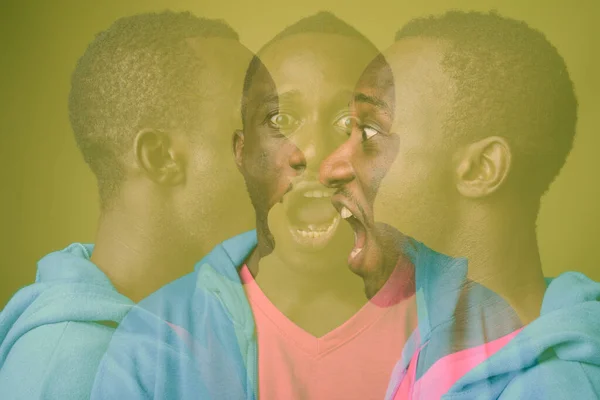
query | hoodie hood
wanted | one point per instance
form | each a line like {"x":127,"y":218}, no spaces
{"x":568,"y":329}
{"x":471,"y":344}
{"x":68,"y":287}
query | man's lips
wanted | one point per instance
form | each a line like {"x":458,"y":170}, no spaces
{"x":310,"y":217}
{"x":348,"y":209}
{"x":308,"y":204}
{"x":354,"y":215}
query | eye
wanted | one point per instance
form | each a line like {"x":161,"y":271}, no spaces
{"x":345,"y":123}
{"x":368,"y":132}
{"x":283,"y":121}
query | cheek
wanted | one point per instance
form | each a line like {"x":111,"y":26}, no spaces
{"x":374,"y":171}
{"x":267,"y":171}
{"x":263,"y":158}
{"x":400,"y":184}
{"x":370,"y":176}
{"x":413,"y":195}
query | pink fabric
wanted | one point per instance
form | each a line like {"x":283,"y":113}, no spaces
{"x":446,"y":371}
{"x":354,"y":361}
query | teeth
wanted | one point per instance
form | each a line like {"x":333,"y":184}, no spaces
{"x":355,"y":252}
{"x":313,"y":233}
{"x":317,"y":194}
{"x":345,"y":213}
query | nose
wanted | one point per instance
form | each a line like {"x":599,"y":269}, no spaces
{"x":316,"y":149}
{"x":337,"y":170}
{"x":297,"y":160}
{"x":312,"y":146}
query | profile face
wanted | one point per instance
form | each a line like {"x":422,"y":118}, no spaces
{"x":395,"y":169}
{"x":292,"y":129}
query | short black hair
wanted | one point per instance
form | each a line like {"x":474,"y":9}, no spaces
{"x":511,"y":82}
{"x":139,"y":73}
{"x":323,"y":22}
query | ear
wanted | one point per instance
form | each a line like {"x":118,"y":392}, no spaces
{"x":238,"y":147}
{"x":483,"y":167}
{"x":157,"y":156}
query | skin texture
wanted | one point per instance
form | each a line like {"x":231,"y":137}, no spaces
{"x":297,"y":115}
{"x":428,"y":183}
{"x":182,"y":194}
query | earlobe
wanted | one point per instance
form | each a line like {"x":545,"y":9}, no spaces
{"x":238,"y":147}
{"x":483,"y":167}
{"x":157,"y":157}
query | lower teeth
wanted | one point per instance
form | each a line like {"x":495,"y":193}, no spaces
{"x":316,"y":233}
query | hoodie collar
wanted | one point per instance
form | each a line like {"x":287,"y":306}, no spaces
{"x":569,"y":325}
{"x":217,"y":273}
{"x":71,"y":265}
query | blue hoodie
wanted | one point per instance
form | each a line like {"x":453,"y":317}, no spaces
{"x":195,"y":338}
{"x":557,"y":356}
{"x":192,"y":339}
{"x":463,"y":324}
{"x":54,"y":332}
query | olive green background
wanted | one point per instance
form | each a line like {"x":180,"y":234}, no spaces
{"x":49,"y":197}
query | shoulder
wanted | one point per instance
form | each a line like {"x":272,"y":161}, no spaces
{"x":55,"y":361}
{"x":555,"y":379}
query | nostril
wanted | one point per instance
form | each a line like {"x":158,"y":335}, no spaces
{"x":336,"y":174}
{"x":297,"y":160}
{"x":299,"y":168}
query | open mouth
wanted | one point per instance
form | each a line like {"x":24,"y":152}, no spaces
{"x":312,"y":218}
{"x":354,"y":218}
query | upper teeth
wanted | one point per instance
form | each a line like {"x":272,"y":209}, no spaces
{"x":345,"y":213}
{"x":317,"y":193}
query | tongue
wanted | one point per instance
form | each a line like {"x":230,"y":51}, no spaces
{"x":317,"y":212}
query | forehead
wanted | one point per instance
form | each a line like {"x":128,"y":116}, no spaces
{"x":377,"y":81}
{"x":225,"y":62}
{"x":314,"y":63}
{"x":409,"y":73}
{"x":417,"y":65}
{"x":410,"y":80}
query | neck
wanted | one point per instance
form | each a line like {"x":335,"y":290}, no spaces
{"x":289,"y":283}
{"x":315,"y":300}
{"x":137,"y":252}
{"x":503,"y":255}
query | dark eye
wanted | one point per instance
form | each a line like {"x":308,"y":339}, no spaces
{"x":345,"y":123}
{"x":283,"y":121}
{"x":368,"y":132}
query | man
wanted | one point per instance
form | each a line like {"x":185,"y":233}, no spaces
{"x":274,"y":312}
{"x":457,"y":133}
{"x":152,"y":104}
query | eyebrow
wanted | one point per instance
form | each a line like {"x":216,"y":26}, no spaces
{"x":278,"y":97}
{"x":374,"y":101}
{"x":275,"y":98}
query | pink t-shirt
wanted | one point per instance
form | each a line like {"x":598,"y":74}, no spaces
{"x":354,"y":361}
{"x":446,"y":371}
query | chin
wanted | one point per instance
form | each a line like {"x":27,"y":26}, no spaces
{"x":315,"y":254}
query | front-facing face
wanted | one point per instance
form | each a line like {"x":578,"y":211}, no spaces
{"x":291,"y":126}
{"x":396,"y":167}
